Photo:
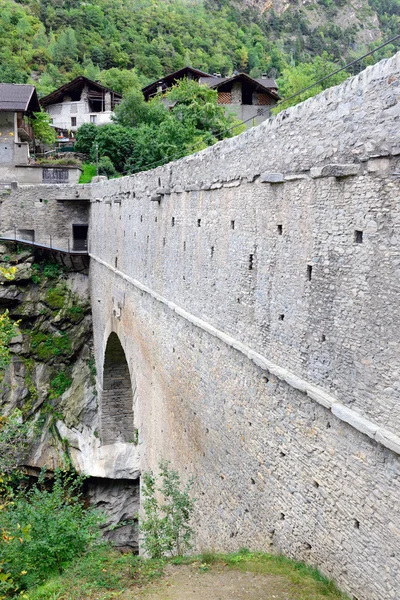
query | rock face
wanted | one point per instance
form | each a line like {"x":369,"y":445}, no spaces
{"x":51,"y":380}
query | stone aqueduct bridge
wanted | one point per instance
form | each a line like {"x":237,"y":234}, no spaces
{"x":246,"y":305}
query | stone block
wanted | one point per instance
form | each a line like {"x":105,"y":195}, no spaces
{"x":354,"y":419}
{"x":388,"y":439}
{"x":272,"y":178}
{"x":335,"y":170}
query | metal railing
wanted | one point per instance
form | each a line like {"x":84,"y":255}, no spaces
{"x":78,"y":247}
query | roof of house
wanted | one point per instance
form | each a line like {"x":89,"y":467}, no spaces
{"x":17,"y":97}
{"x":73,"y":86}
{"x":267,"y":86}
{"x":172,"y":78}
{"x":264,"y":84}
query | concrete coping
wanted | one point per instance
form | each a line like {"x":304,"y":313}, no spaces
{"x":345,"y":414}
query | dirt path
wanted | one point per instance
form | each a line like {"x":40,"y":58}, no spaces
{"x":186,"y":582}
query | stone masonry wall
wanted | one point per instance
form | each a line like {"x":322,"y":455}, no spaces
{"x":254,"y":290}
{"x":49,"y":210}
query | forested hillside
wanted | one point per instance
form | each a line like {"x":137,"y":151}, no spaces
{"x":53,"y":41}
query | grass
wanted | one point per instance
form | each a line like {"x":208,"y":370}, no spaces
{"x":89,"y":171}
{"x":101,"y":574}
{"x":105,"y":573}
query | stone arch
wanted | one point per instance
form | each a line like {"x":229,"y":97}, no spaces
{"x":117,"y":395}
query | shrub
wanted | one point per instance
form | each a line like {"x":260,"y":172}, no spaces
{"x":165,"y":528}
{"x":56,"y":528}
{"x":106,"y":167}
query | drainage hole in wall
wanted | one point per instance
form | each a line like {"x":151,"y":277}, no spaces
{"x":173,"y":349}
{"x":184,"y":246}
{"x":253,"y":481}
{"x":316,"y":484}
{"x":163,"y":242}
{"x":249,"y":423}
{"x":173,"y":222}
{"x":356,"y":524}
{"x":328,"y":425}
{"x":251,"y":260}
{"x":232,"y":224}
{"x":309,"y":272}
{"x":198,"y":222}
{"x":184,"y":278}
{"x":283,"y":454}
{"x":282,"y":516}
{"x":116,"y":262}
{"x":307,"y":546}
{"x":238,"y":300}
{"x":265,"y":379}
{"x":155,"y":219}
{"x":147,"y":240}
{"x":280,"y":229}
{"x":141,"y":218}
{"x":281,"y":317}
{"x":212,"y":251}
{"x":358,"y":236}
{"x":323,"y":338}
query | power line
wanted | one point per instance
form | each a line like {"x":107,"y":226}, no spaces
{"x":179,"y":155}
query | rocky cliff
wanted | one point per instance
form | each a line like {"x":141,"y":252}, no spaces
{"x":51,"y":380}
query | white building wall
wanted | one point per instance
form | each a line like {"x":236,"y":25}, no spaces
{"x":63,"y":112}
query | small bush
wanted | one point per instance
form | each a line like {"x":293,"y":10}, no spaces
{"x":46,"y":529}
{"x":106,"y":167}
{"x":166,"y":528}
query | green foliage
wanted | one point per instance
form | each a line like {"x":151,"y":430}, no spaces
{"x":300,"y":77}
{"x":55,"y":297}
{"x":47,"y":270}
{"x":102,"y":573}
{"x":88,"y":172}
{"x":146,"y":39}
{"x":116,"y":142}
{"x":120,"y":80}
{"x":85,"y":137}
{"x":46,"y":346}
{"x":166,"y":527}
{"x":7,"y":332}
{"x":194,"y":122}
{"x":106,"y":167}
{"x":44,"y":133}
{"x":13,"y":442}
{"x":59,"y":385}
{"x":57,"y":527}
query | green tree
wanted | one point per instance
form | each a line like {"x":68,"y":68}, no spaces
{"x":120,"y":80}
{"x":44,"y":132}
{"x":106,"y":167}
{"x":295,"y":79}
{"x":134,"y":110}
{"x":85,"y":138}
{"x":116,"y":142}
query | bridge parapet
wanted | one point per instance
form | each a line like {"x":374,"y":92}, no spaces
{"x":253,"y":286}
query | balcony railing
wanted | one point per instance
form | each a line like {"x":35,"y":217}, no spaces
{"x":25,"y":131}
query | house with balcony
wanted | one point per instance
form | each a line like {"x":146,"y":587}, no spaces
{"x":77,"y":102}
{"x":249,"y":99}
{"x":17,"y":103}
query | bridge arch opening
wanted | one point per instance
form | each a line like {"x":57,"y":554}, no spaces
{"x":117,"y":397}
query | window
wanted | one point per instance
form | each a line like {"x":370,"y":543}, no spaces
{"x":93,"y":119}
{"x":73,"y":121}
